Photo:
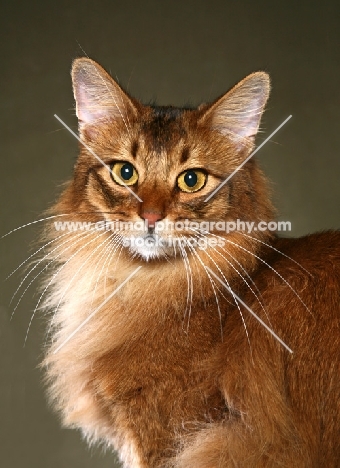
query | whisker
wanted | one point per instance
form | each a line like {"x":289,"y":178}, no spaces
{"x":189,"y":281}
{"x":254,"y":315}
{"x":119,"y":246}
{"x":212,"y":285}
{"x":48,"y":333}
{"x":234,"y":297}
{"x":236,"y":270}
{"x":79,"y":269}
{"x":107,"y":248}
{"x":32,"y":222}
{"x":199,"y":278}
{"x":269,"y":266}
{"x":56,"y":309}
{"x":273,"y":269}
{"x":37,"y":265}
{"x":278,"y":251}
{"x":53,"y":278}
{"x":35,"y":253}
{"x":236,"y":261}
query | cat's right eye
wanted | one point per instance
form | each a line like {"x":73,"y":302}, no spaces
{"x":123,"y":172}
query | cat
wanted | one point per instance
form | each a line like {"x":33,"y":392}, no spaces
{"x":153,"y":349}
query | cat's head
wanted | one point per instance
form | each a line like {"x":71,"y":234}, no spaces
{"x":154,"y":167}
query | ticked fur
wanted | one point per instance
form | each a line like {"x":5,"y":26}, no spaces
{"x":172,"y":371}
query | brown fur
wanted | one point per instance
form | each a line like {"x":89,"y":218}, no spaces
{"x":203,"y":385}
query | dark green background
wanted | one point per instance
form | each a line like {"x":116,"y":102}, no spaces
{"x":177,"y":53}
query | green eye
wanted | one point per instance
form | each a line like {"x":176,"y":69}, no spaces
{"x":191,"y":180}
{"x":124,"y":172}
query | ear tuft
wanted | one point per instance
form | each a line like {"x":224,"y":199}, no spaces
{"x":98,"y":97}
{"x":238,"y":113}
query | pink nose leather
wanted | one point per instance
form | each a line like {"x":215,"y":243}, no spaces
{"x":151,"y":217}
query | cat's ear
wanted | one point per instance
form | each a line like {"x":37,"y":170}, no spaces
{"x":98,"y":97}
{"x":237,"y":114}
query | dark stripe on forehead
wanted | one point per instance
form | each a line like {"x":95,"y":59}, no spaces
{"x":134,"y":148}
{"x":185,"y":154}
{"x":164,"y":127}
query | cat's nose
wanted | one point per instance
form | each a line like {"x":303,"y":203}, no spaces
{"x":151,"y":217}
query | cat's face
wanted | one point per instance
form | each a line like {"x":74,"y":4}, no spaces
{"x":149,"y":170}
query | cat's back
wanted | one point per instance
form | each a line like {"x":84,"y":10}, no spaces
{"x":299,"y":280}
{"x":304,"y":266}
{"x":317,"y":253}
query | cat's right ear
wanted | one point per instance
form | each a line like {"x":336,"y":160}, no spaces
{"x":237,"y":114}
{"x":98,"y":97}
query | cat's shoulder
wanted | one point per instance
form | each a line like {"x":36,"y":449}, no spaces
{"x":315,"y":249}
{"x":313,"y":258}
{"x":302,"y":275}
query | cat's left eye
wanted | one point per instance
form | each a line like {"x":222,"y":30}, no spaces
{"x":124,"y":173}
{"x":192,"y":180}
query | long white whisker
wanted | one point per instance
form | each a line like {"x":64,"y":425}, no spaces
{"x":37,"y":265}
{"x":273,"y":269}
{"x":253,"y":313}
{"x":198,"y":276}
{"x":235,"y":260}
{"x":32,"y":222}
{"x":234,"y":297}
{"x":79,"y":269}
{"x":36,"y":252}
{"x":189,"y":281}
{"x":52,"y":319}
{"x":106,"y":249}
{"x":236,"y":270}
{"x":278,"y":251}
{"x":267,"y":264}
{"x":212,"y":285}
{"x":70,"y":282}
{"x":52,"y":279}
{"x":117,"y":246}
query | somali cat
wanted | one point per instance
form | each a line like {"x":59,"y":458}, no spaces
{"x":167,"y":364}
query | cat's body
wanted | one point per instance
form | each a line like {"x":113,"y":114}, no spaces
{"x":172,"y":370}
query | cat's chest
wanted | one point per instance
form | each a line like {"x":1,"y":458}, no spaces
{"x":149,"y":380}
{"x":165,"y":358}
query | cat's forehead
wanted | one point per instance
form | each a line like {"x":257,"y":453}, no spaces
{"x":164,"y":142}
{"x":164,"y":128}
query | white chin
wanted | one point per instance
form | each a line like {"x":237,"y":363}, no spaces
{"x":149,"y":248}
{"x":148,"y":253}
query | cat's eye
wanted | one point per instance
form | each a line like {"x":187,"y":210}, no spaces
{"x":124,"y":173}
{"x":192,"y":180}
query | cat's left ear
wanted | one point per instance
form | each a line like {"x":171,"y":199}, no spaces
{"x":237,"y":114}
{"x":98,"y":97}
